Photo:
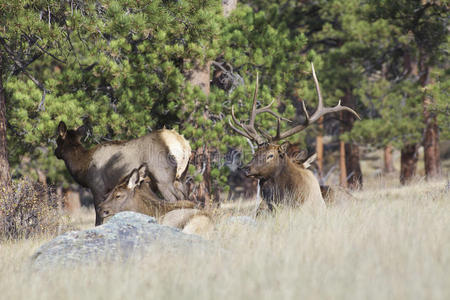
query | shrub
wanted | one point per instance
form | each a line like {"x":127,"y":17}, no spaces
{"x":28,"y":209}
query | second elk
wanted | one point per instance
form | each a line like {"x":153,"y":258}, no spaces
{"x":281,"y":178}
{"x":135,"y":192}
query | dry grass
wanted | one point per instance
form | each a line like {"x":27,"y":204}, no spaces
{"x":393,"y":243}
{"x":29,"y":209}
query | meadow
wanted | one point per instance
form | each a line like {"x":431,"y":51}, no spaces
{"x":385,"y":242}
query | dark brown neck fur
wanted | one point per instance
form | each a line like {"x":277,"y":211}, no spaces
{"x":77,"y":160}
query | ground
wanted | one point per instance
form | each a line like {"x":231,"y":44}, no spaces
{"x":388,"y":242}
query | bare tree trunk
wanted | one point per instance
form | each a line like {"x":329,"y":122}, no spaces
{"x":5,"y":176}
{"x":354,"y":173}
{"x":200,"y":76}
{"x":342,"y":167}
{"x":228,"y":6}
{"x":430,"y":140}
{"x":388,"y":162}
{"x":408,"y":162}
{"x":319,"y":149}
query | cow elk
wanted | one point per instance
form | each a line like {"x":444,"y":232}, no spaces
{"x":165,"y":152}
{"x":134,"y":193}
{"x":282,"y":178}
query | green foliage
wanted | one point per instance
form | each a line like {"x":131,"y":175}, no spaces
{"x":122,"y":65}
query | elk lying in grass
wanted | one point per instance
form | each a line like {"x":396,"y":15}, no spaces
{"x":164,"y":152}
{"x":134,"y":193}
{"x":281,"y":177}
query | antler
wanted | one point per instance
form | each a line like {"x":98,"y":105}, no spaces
{"x":321,"y":110}
{"x":249,"y":130}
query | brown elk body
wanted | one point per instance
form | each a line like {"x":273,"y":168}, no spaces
{"x":283,"y":176}
{"x":164,"y":152}
{"x":134,"y":193}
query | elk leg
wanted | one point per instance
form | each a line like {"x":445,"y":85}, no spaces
{"x":98,"y":218}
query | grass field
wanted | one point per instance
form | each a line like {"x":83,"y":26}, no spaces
{"x":389,"y":242}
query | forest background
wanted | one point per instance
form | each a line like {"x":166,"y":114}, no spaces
{"x":125,"y":68}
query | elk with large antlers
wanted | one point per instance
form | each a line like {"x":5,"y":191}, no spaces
{"x":281,"y":178}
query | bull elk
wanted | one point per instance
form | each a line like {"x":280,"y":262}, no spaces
{"x":134,"y":193}
{"x":281,"y":177}
{"x":165,"y":153}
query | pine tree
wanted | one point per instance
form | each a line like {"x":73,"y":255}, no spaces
{"x":28,"y":31}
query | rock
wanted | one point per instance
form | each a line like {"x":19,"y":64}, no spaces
{"x":125,"y":235}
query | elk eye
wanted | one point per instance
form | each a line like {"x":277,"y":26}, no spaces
{"x":269,"y":156}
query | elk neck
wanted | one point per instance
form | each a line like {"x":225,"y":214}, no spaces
{"x":78,"y":160}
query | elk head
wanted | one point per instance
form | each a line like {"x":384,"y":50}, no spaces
{"x":126,"y":194}
{"x":68,"y":139}
{"x":270,"y":156}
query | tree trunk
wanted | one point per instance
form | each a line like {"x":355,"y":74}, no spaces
{"x":430,"y":140}
{"x":319,"y":149}
{"x":342,"y":168}
{"x":228,"y":6}
{"x":388,"y":163}
{"x":408,"y":162}
{"x":354,"y":173}
{"x":199,"y":76}
{"x":5,"y":177}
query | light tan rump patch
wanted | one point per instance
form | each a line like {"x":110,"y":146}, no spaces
{"x":178,"y":147}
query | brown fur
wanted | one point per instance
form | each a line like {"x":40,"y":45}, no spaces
{"x":282,"y":179}
{"x":102,"y":167}
{"x":134,"y":193}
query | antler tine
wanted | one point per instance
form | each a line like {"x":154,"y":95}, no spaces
{"x":247,"y":131}
{"x":305,"y":111}
{"x":321,"y":110}
{"x":278,"y":128}
{"x":316,"y":83}
{"x":268,"y":110}
{"x":265,"y":134}
{"x":237,"y":130}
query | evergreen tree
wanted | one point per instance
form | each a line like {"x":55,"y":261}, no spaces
{"x":28,"y":34}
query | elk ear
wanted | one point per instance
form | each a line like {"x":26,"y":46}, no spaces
{"x":133,"y":180}
{"x":62,"y":129}
{"x":142,"y":172}
{"x":283,"y":148}
{"x":82,"y":131}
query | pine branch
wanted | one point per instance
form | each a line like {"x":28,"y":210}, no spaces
{"x":22,"y":67}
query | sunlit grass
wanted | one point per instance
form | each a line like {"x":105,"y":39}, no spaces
{"x":389,"y":242}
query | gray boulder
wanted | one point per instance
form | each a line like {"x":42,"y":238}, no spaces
{"x":126,"y":235}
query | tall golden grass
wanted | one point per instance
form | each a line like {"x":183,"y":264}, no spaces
{"x":389,"y":242}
